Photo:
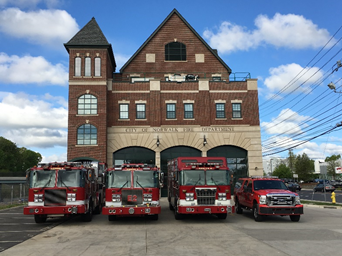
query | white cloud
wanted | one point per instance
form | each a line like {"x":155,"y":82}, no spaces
{"x":28,"y":69}
{"x":286,"y":122}
{"x":120,"y":60}
{"x":293,"y":77}
{"x":291,"y":31}
{"x":43,"y":27}
{"x":22,"y":111}
{"x":32,"y":122}
{"x":55,"y":158}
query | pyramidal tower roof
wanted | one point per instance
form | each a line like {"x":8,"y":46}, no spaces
{"x":90,"y":34}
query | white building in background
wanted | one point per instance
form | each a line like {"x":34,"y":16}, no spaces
{"x":321,"y":167}
{"x":270,"y":164}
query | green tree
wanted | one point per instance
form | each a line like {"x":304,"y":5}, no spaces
{"x":332,"y":164}
{"x":304,"y":167}
{"x":282,"y":171}
{"x":14,"y":161}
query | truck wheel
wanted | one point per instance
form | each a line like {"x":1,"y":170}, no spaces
{"x":40,"y":218}
{"x":170,"y":206}
{"x":222,"y":216}
{"x":238,"y":208}
{"x":295,"y":218}
{"x":256,"y":215}
{"x":89,"y":215}
{"x":98,"y":208}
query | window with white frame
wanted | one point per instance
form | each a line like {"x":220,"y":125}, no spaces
{"x":188,"y":110}
{"x":220,"y":110}
{"x":78,"y":66}
{"x":236,"y":110}
{"x":87,"y":67}
{"x":141,"y":111}
{"x":87,"y":105}
{"x":170,"y":111}
{"x":97,"y":66}
{"x":87,"y":135}
{"x":123,"y":111}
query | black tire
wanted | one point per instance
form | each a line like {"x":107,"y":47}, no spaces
{"x":87,"y":217}
{"x":171,"y":207}
{"x":112,"y":217}
{"x":295,"y":218}
{"x":256,"y":215}
{"x":238,"y":208}
{"x":222,"y":216}
{"x":40,"y":218}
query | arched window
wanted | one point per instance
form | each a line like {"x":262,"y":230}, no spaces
{"x":97,"y":66}
{"x":78,"y":66}
{"x":87,"y":105}
{"x":87,"y":67}
{"x":175,"y":51}
{"x":87,"y":135}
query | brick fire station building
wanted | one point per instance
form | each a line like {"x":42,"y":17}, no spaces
{"x":174,"y":97}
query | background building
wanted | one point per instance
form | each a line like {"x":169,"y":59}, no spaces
{"x":174,"y":97}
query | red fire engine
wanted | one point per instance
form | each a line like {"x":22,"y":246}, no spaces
{"x":132,"y":190}
{"x":200,"y":185}
{"x":63,"y":188}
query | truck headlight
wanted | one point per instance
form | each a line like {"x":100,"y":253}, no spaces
{"x":38,"y":198}
{"x":297,"y":200}
{"x":262,"y":199}
{"x":116,"y":198}
{"x":189,"y":197}
{"x":147,"y":197}
{"x":222,"y":196}
{"x":71,"y":197}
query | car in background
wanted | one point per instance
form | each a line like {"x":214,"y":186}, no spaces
{"x":324,"y":187}
{"x":294,"y":187}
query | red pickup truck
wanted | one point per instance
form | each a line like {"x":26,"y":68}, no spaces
{"x":266,"y":196}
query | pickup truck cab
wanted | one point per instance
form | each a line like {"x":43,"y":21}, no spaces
{"x":266,"y":196}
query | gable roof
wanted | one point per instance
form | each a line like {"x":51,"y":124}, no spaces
{"x":91,"y":36}
{"x":174,"y":11}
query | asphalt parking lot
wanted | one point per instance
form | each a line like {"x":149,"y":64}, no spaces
{"x":318,"y":232}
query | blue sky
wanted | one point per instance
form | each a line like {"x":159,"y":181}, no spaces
{"x":291,"y":47}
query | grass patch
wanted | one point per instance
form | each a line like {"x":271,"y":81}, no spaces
{"x":6,"y":206}
{"x":318,"y":203}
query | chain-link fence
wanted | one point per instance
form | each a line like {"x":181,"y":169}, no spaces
{"x":13,"y":193}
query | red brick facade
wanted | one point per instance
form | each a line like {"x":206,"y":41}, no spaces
{"x":111,"y":89}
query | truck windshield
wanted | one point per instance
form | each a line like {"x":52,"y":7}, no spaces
{"x":269,"y":184}
{"x":217,"y":177}
{"x":72,"y":178}
{"x":145,"y":179}
{"x":40,"y":179}
{"x":192,"y":177}
{"x":119,"y":179}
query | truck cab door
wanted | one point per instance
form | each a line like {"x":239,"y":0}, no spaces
{"x":249,"y":194}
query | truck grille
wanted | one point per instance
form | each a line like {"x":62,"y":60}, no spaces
{"x":54,"y":197}
{"x":281,"y":199}
{"x":206,"y":196}
{"x":131,"y":197}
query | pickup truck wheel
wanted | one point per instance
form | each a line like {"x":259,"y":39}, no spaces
{"x":295,"y":218}
{"x":256,"y":215}
{"x":238,"y":208}
{"x":40,"y":218}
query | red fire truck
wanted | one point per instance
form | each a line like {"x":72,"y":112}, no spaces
{"x":132,"y":190}
{"x":200,"y":185}
{"x":63,"y":188}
